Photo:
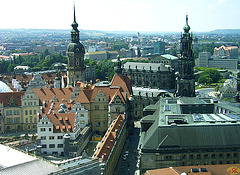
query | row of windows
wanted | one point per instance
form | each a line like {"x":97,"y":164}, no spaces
{"x":210,"y":162}
{"x":98,"y":116}
{"x":12,"y":112}
{"x":30,"y":112}
{"x":53,"y":146}
{"x":99,"y":124}
{"x":30,"y":120}
{"x":44,"y":129}
{"x":30,"y":103}
{"x":51,"y":137}
{"x":96,"y":107}
{"x":15,"y":120}
{"x":200,"y":156}
{"x":29,"y":96}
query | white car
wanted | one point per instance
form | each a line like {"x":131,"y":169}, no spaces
{"x":124,"y":157}
{"x":127,"y":153}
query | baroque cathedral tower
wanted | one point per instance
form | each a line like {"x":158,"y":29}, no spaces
{"x":185,"y":81}
{"x":75,"y":53}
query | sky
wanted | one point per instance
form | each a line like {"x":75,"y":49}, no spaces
{"x":121,"y":15}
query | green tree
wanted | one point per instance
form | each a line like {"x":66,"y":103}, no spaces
{"x":90,"y":62}
{"x":205,"y":79}
{"x":46,"y":52}
{"x":11,"y":67}
{"x":209,"y":76}
{"x":119,"y":46}
{"x":105,"y":70}
{"x":20,"y":59}
{"x":3,"y":66}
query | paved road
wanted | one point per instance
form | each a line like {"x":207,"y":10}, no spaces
{"x":205,"y":92}
{"x":129,"y":166}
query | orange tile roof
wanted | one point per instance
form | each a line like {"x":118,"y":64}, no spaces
{"x":109,"y":138}
{"x":48,"y":94}
{"x":124,"y":82}
{"x":24,"y":78}
{"x":164,"y":171}
{"x":6,"y":96}
{"x":31,"y":53}
{"x":3,"y":57}
{"x":224,"y":169}
{"x":120,"y":86}
{"x":63,"y":122}
{"x":226,"y":47}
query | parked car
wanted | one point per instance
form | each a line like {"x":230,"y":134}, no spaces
{"x":124,"y":157}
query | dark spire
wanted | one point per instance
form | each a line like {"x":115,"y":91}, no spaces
{"x":74,"y":24}
{"x":187,"y":19}
{"x":186,"y":27}
{"x":74,"y":16}
{"x":75,"y":31}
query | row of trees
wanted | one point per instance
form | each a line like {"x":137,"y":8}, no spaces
{"x":36,"y":62}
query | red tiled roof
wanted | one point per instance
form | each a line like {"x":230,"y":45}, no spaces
{"x":31,"y":53}
{"x":63,"y":122}
{"x":120,"y":86}
{"x":6,"y":96}
{"x":124,"y":82}
{"x":226,"y":47}
{"x":2,"y":57}
{"x":224,"y":169}
{"x":109,"y":138}
{"x":48,"y":93}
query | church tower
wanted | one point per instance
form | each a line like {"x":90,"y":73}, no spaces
{"x":185,"y":81}
{"x":75,"y":53}
{"x":118,"y":67}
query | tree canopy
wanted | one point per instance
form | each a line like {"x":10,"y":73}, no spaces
{"x":209,"y":76}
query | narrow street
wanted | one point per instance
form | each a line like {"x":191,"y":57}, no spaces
{"x":129,"y":165}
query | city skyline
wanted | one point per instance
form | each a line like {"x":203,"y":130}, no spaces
{"x":111,"y":15}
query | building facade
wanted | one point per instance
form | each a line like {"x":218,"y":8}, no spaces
{"x":19,"y":111}
{"x":185,"y":81}
{"x":11,"y":111}
{"x":166,"y":59}
{"x":63,"y":129}
{"x":230,"y":52}
{"x":206,"y":60}
{"x":159,"y":47}
{"x":152,"y":75}
{"x":186,"y":131}
{"x":30,"y":110}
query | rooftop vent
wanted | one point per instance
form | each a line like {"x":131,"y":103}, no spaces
{"x":203,"y":170}
{"x":194,"y":170}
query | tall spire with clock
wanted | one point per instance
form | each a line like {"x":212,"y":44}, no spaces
{"x":75,"y":53}
{"x":185,"y":81}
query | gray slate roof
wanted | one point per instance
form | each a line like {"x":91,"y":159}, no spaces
{"x":194,"y":133}
{"x":145,"y":66}
{"x":211,"y":136}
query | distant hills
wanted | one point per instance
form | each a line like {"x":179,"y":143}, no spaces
{"x":226,"y":31}
{"x":106,"y":33}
